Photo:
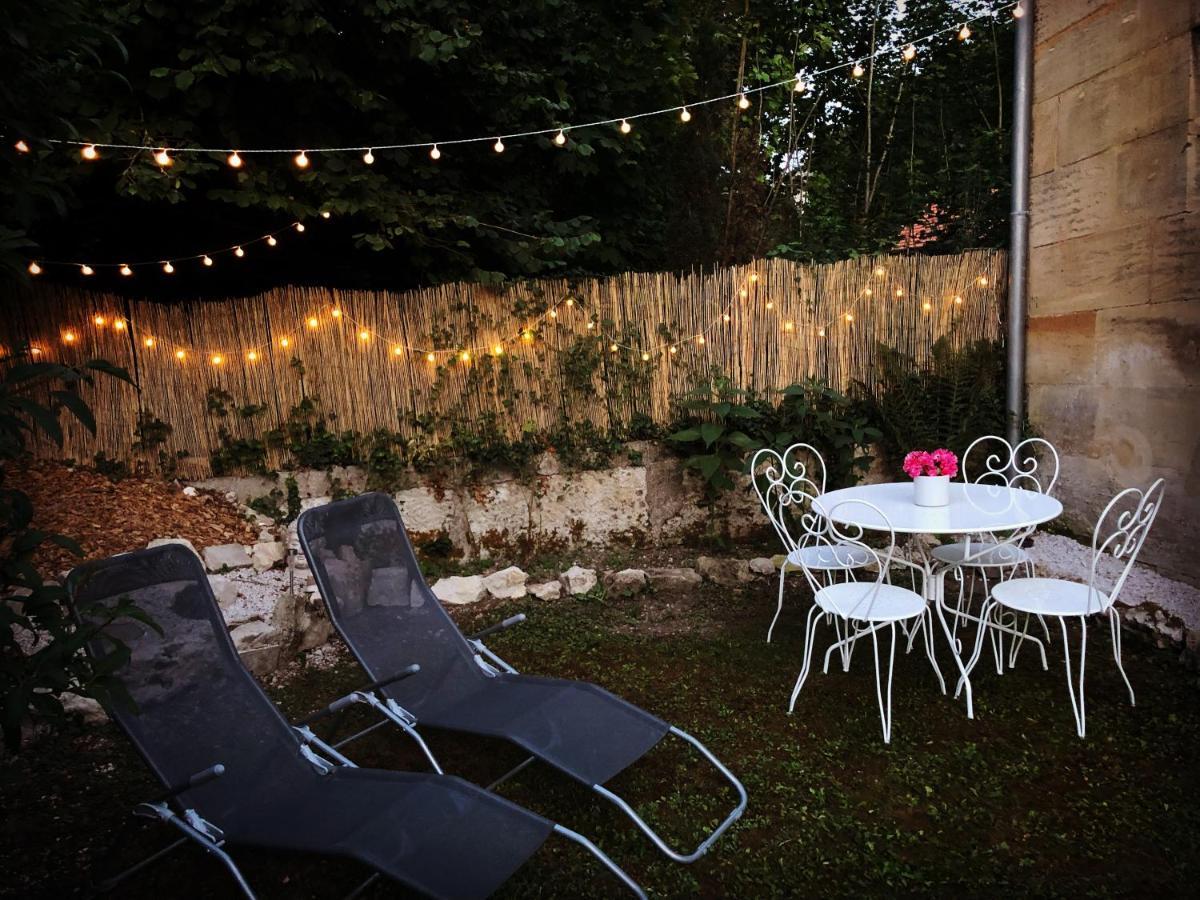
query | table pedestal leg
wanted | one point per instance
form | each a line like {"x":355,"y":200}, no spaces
{"x":939,"y":588}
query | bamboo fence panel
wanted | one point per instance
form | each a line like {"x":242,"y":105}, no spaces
{"x":772,"y":339}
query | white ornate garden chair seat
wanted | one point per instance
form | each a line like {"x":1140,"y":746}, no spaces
{"x":843,"y":556}
{"x":1050,"y":597}
{"x":889,"y":604}
{"x":981,"y":554}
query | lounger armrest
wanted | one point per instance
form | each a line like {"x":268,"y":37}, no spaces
{"x":202,"y":777}
{"x":499,"y":626}
{"x":342,"y":702}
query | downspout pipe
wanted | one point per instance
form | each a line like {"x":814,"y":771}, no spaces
{"x":1018,"y":241}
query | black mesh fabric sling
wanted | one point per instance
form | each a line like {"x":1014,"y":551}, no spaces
{"x":238,"y":774}
{"x":381,"y":605}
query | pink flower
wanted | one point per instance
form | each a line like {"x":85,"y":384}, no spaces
{"x":918,"y":462}
{"x":946,"y":462}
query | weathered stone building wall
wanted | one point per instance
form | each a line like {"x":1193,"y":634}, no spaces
{"x":1114,"y":329}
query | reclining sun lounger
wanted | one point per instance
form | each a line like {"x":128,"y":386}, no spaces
{"x":237,"y":773}
{"x":380,"y":604}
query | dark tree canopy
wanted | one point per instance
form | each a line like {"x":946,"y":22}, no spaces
{"x":840,"y":169}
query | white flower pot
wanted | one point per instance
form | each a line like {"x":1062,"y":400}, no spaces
{"x":931,"y":490}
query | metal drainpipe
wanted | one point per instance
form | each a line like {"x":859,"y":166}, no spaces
{"x":1018,"y":260}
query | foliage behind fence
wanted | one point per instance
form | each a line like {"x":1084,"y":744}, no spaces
{"x":566,"y":373}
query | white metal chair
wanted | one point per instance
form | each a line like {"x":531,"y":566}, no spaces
{"x":993,"y":460}
{"x":863,"y":607}
{"x":786,"y":485}
{"x":1120,"y":531}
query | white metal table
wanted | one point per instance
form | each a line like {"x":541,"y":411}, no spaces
{"x":973,"y":509}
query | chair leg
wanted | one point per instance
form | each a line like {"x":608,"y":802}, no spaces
{"x":1076,"y":701}
{"x":885,"y":707}
{"x":810,"y":634}
{"x":984,"y":614}
{"x":779,"y":605}
{"x":927,"y":627}
{"x":1114,"y":622}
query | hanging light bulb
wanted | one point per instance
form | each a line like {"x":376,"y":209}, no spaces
{"x":34,"y":268}
{"x":100,"y":321}
{"x":743,"y":101}
{"x":498,"y":350}
{"x":313,"y":322}
{"x":163,"y":158}
{"x":68,"y":337}
{"x":673,"y":349}
{"x":498,"y":146}
{"x":725,"y":317}
{"x":626,"y":127}
{"x":435,"y":153}
{"x":789,"y":326}
{"x":1018,"y":11}
{"x":369,"y":158}
{"x":527,"y":335}
{"x":180,"y":355}
{"x":858,"y":71}
{"x":252,"y":356}
{"x":880,"y":271}
{"x":560,"y":138}
{"x":148,"y":342}
{"x":168,"y":268}
{"x":820,"y":332}
{"x":207,"y":260}
{"x":591,"y":325}
{"x":233,"y":160}
{"x":271,"y":240}
{"x":645,"y":357}
{"x":964,"y":33}
{"x":429,"y":357}
{"x":465,"y":356}
{"x":284,"y":342}
{"x":743,"y":293}
{"x":364,"y":335}
{"x":612,"y":348}
{"x":35,"y":350}
{"x":299,"y":226}
{"x":397,"y":351}
{"x":554,"y":313}
{"x":958,"y":300}
{"x":87,"y":270}
{"x":910,"y":53}
{"x":301,"y":160}
{"x":800,"y":87}
{"x":700,"y":340}
{"x":125,"y":270}
{"x":217,"y":359}
{"x":21,"y":147}
{"x":325,"y":214}
{"x":867,"y":292}
{"x":336,"y":313}
{"x":849,"y":317}
{"x":685,"y":115}
{"x":982,"y":281}
{"x":570,"y":301}
{"x":770,"y":304}
{"x":926,"y":306}
{"x":119,"y":325}
{"x":90,"y":152}
{"x":754,"y":278}
{"x":899,"y":292}
{"x":239,"y":252}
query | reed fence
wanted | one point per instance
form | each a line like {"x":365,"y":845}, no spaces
{"x":791,"y":323}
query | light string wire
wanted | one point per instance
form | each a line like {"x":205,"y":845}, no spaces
{"x":794,"y":81}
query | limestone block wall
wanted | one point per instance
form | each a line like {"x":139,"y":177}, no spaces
{"x":1114,"y":329}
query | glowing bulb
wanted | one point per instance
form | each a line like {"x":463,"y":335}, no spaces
{"x":958,"y":300}
{"x":69,"y":337}
{"x":364,"y":335}
{"x":285,"y":343}
{"x":325,"y":214}
{"x":820,"y":332}
{"x":927,"y":306}
{"x":899,"y":292}
{"x":336,"y":313}
{"x":313,"y":322}
{"x":625,"y":127}
{"x":560,"y":138}
{"x":435,"y":153}
{"x":725,"y":317}
{"x":148,"y":343}
{"x":554,"y":313}
{"x":849,"y":317}
{"x":858,"y":71}
{"x":612,"y":348}
{"x":87,"y":270}
{"x":645,"y":357}
{"x":880,"y":271}
{"x":465,"y":356}
{"x":271,"y":241}
{"x":743,"y":101}
{"x":301,"y":160}
{"x":1018,"y":11}
{"x":21,"y":147}
{"x":100,"y":321}
{"x":685,"y":115}
{"x":570,"y":301}
{"x":252,"y":356}
{"x":34,"y":268}
{"x":800,"y":86}
{"x":90,"y":152}
{"x":867,"y":292}
{"x":239,"y":252}
{"x":429,"y":357}
{"x":498,"y":350}
{"x":591,"y":325}
{"x":964,"y":32}
{"x":910,"y":53}
{"x":163,"y":158}
{"x":673,"y":349}
{"x":397,"y":351}
{"x":299,"y":226}
{"x":125,"y":270}
{"x":369,"y":157}
{"x":168,"y":268}
{"x":754,"y":278}
{"x":207,"y":260}
{"x":119,"y":324}
{"x":35,"y":351}
{"x":743,"y":293}
{"x":233,"y":160}
{"x":217,"y":359}
{"x":498,"y":146}
{"x":789,"y":326}
{"x":770,"y":304}
{"x":180,"y":355}
{"x":982,"y":281}
{"x":700,"y":340}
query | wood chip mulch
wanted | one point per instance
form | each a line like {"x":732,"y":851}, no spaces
{"x":108,"y":517}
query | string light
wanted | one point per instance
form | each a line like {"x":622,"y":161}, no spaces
{"x":90,"y":152}
{"x":789,"y":327}
{"x":926,"y":306}
{"x":591,"y":325}
{"x":369,"y":158}
{"x":685,"y":115}
{"x":743,"y":293}
{"x":570,"y":301}
{"x":301,"y":160}
{"x":119,"y":325}
{"x":207,"y":260}
{"x":35,"y":351}
{"x":168,"y":268}
{"x":148,"y":342}
{"x":284,"y":343}
{"x":435,"y":153}
{"x":325,"y":214}
{"x":217,"y":359}
{"x":21,"y":147}
{"x":252,"y":356}
{"x":554,"y":313}
{"x":645,"y":357}
{"x":180,"y":355}
{"x":673,"y":349}
{"x":87,"y":270}
{"x":700,"y":340}
{"x":100,"y":321}
{"x":299,"y":226}
{"x":69,"y":337}
{"x":964,"y":33}
{"x":626,"y":127}
{"x":498,"y":146}
{"x":899,"y":292}
{"x":910,"y":53}
{"x":336,"y":313}
{"x":754,"y":278}
{"x":560,"y":138}
{"x":163,"y":158}
{"x":982,"y":281}
{"x":498,"y":350}
{"x":1018,"y":11}
{"x":849,"y":317}
{"x":958,"y":300}
{"x":233,"y":160}
{"x":397,"y":351}
{"x":527,"y":335}
{"x":858,"y":71}
{"x":880,"y":271}
{"x":364,"y":335}
{"x":867,"y":292}
{"x":35,"y":269}
{"x":429,"y":357}
{"x":820,"y":332}
{"x":743,"y":101}
{"x":313,"y":322}
{"x":465,"y":356}
{"x":126,"y":270}
{"x":239,"y":252}
{"x":800,"y":87}
{"x":612,"y":348}
{"x":725,"y":317}
{"x":770,"y":304}
{"x":271,"y":241}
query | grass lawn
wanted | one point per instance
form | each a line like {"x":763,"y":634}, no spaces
{"x":1012,"y":803}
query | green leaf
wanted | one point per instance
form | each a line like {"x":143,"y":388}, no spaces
{"x":710,"y":431}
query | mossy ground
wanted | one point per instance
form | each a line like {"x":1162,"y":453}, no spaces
{"x":1012,"y":803}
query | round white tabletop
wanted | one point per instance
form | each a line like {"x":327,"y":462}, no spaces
{"x":972,"y":508}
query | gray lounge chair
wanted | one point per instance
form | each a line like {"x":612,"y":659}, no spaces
{"x":381,"y":605}
{"x":237,"y":773}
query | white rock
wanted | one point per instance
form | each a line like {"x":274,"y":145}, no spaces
{"x":225,"y":591}
{"x":762,"y":566}
{"x":459,"y":589}
{"x":673,"y":579}
{"x":578,"y":580}
{"x":727,"y":572}
{"x":159,"y":542}
{"x":226,"y":556}
{"x":550,"y":590}
{"x":90,"y":710}
{"x":190,"y":491}
{"x":627,"y":581}
{"x":265,"y":555}
{"x":249,"y":635}
{"x":507,"y":584}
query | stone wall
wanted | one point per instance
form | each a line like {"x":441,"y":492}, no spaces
{"x":1114,"y":328}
